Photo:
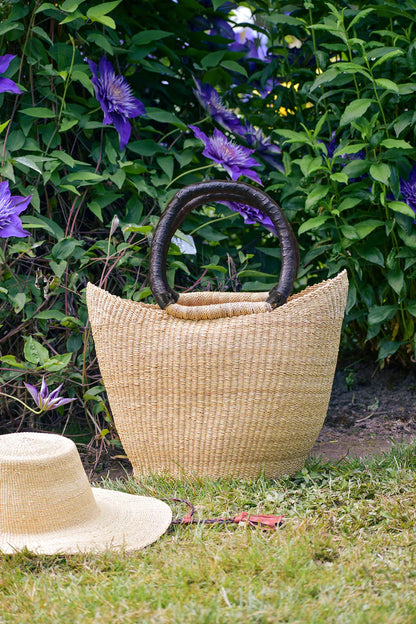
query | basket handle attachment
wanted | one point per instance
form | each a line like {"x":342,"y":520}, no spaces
{"x":195,"y":195}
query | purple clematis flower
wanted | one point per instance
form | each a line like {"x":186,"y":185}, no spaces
{"x":257,"y":140}
{"x":115,"y":98}
{"x":46,"y":400}
{"x":6,"y":84}
{"x":210,"y":100}
{"x":251,"y":215}
{"x":408,"y":190}
{"x":235,"y":159}
{"x":10,"y":208}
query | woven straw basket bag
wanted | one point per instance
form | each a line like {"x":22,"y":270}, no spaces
{"x":219,"y":384}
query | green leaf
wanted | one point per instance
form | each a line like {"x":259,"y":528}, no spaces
{"x":348,"y":202}
{"x":65,"y":248}
{"x":34,"y":352}
{"x":387,"y":349}
{"x":212,"y":59}
{"x":105,"y":20}
{"x":355,"y":168}
{"x":39,"y":112}
{"x":349,"y":232}
{"x":387,"y":57}
{"x":102,"y":42}
{"x":46,"y":6}
{"x":215,"y":267}
{"x":94,"y":13}
{"x":380,"y":172}
{"x":350,"y":149}
{"x":57,"y":362}
{"x":58,"y":267}
{"x":72,"y":17}
{"x":339,"y":177}
{"x":364,"y":228}
{"x":373,"y":255}
{"x":411,"y":307}
{"x":309,"y":164}
{"x":84,"y":176}
{"x":166,"y":163}
{"x":281,"y":18}
{"x":381,"y":314}
{"x":28,"y":162}
{"x":316,"y":194}
{"x":70,"y":5}
{"x":396,"y":144}
{"x":234,"y":67}
{"x":67,"y":124}
{"x":395,"y":278}
{"x":327,"y":76}
{"x":147,"y":36}
{"x":387,"y":84}
{"x":312,"y":224}
{"x":157,"y":114}
{"x":64,"y":157}
{"x":355,"y":110}
{"x":361,"y":15}
{"x":19,"y":301}
{"x":177,"y":264}
{"x":82,"y":77}
{"x":43,"y":223}
{"x":12,"y":361}
{"x":4,"y":125}
{"x":252,"y":273}
{"x":46,"y":315}
{"x":402,"y":208}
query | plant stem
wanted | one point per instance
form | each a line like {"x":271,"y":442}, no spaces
{"x":186,"y":173}
{"x":22,"y":403}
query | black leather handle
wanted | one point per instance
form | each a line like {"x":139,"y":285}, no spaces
{"x":194,"y":195}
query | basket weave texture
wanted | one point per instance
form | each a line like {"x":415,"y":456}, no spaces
{"x":239,"y":395}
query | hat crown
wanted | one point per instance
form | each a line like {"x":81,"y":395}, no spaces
{"x":43,"y":485}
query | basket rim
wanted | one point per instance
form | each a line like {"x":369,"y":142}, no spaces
{"x":293,"y":301}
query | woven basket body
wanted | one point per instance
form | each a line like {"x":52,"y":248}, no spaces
{"x":232,"y":396}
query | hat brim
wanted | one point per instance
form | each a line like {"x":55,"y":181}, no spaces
{"x":125,"y":522}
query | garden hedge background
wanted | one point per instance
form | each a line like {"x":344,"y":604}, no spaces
{"x":322,"y":93}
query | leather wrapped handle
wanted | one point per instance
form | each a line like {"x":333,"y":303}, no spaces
{"x":194,"y":195}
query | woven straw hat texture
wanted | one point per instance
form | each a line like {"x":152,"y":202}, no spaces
{"x":230,"y":396}
{"x":48,"y":506}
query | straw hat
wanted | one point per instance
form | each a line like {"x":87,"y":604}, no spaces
{"x":48,"y":505}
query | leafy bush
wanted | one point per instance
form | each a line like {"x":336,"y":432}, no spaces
{"x":324,"y":96}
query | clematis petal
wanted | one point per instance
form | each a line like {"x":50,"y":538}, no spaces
{"x":136,"y":108}
{"x":5,"y":62}
{"x":252,"y":175}
{"x":199,"y":134}
{"x":34,"y":393}
{"x":55,"y":393}
{"x":124,"y":130}
{"x":9,"y":86}
{"x":43,"y":389}
{"x":4,"y":191}
{"x":93,"y":68}
{"x":105,"y":66}
{"x":20,"y":203}
{"x":14,"y":228}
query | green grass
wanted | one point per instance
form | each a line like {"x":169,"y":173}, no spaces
{"x":346,"y":554}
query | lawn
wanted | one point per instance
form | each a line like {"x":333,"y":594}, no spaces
{"x":346,"y":553}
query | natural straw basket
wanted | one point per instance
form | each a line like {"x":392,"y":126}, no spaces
{"x":219,"y":384}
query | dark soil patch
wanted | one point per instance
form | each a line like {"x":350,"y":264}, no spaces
{"x":369,"y":411}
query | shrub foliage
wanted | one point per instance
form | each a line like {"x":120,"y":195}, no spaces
{"x":323,"y":93}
